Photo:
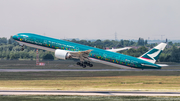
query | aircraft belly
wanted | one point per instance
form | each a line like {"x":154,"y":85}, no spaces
{"x":111,"y":64}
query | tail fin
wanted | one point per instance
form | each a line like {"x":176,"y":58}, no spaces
{"x":153,"y":54}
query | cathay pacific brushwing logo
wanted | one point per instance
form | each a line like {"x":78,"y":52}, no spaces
{"x":152,"y":55}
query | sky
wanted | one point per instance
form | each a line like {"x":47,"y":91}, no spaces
{"x":92,"y":19}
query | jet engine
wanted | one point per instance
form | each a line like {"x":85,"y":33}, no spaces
{"x":62,"y":54}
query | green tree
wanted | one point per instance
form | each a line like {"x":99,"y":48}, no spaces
{"x":141,"y":42}
{"x":175,"y":55}
{"x":136,"y":52}
{"x":73,"y":40}
{"x":170,"y":43}
{"x":3,"y":40}
{"x":48,"y":56}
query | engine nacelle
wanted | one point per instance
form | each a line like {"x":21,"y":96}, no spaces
{"x":62,"y":54}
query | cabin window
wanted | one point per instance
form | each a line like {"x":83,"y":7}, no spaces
{"x":45,"y":42}
{"x":27,"y":39}
{"x":122,"y":60}
{"x":36,"y":41}
{"x":100,"y":56}
{"x":32,"y":41}
{"x":128,"y":62}
{"x":53,"y":44}
{"x":77,"y":49}
{"x":40,"y":41}
{"x":24,"y":38}
{"x":49,"y":43}
{"x":118,"y":59}
{"x":104,"y":56}
{"x":57,"y":45}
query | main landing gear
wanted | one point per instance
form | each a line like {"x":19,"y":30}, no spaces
{"x":84,"y":64}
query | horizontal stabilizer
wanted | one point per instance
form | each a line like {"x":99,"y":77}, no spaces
{"x":162,"y":65}
{"x":147,"y":65}
{"x":118,"y":49}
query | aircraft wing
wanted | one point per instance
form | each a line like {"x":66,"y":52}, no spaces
{"x":82,"y":55}
{"x":118,"y":49}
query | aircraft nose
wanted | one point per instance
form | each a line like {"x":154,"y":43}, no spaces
{"x":14,"y":37}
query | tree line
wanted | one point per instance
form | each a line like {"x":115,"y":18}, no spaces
{"x":10,"y":49}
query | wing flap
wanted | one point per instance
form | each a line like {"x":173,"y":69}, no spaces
{"x":82,"y":55}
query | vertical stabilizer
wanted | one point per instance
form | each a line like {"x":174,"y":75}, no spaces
{"x":153,"y":54}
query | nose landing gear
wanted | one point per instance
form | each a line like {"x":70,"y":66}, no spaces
{"x":22,"y":47}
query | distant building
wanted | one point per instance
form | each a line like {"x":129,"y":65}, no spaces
{"x":106,"y":48}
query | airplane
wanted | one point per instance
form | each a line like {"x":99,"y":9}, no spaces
{"x":86,"y":54}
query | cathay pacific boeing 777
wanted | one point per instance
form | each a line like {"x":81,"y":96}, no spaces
{"x":86,"y":54}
